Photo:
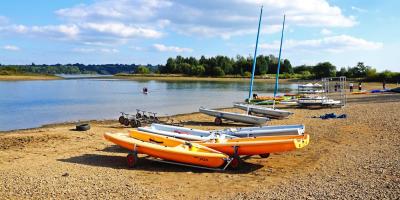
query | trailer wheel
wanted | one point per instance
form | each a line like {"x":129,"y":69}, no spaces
{"x":131,"y":160}
{"x":138,"y":123}
{"x":133,"y":123}
{"x":217,"y":121}
{"x":264,"y":155}
{"x":126,"y":122}
{"x":121,"y":119}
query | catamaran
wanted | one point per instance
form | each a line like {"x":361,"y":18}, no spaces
{"x":238,"y":117}
{"x":270,"y":112}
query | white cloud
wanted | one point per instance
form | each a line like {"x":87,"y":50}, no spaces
{"x":122,"y":30}
{"x":95,"y":50}
{"x":11,"y":48}
{"x":358,"y":9}
{"x":163,"y":48}
{"x":326,"y":32}
{"x":110,"y":21}
{"x":56,"y":31}
{"x":224,"y":18}
{"x":334,"y":44}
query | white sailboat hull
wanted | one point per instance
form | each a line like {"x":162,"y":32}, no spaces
{"x":270,"y":112}
{"x":196,"y":134}
{"x":237,"y":117}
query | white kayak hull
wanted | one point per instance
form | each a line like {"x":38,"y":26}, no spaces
{"x":195,"y":134}
{"x":270,"y":112}
{"x":186,"y":136}
{"x":237,"y":117}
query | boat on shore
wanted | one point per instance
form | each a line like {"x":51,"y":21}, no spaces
{"x":259,"y":145}
{"x":166,"y":148}
{"x":269,"y":112}
{"x":202,"y":135}
{"x":240,"y":146}
{"x":237,"y":117}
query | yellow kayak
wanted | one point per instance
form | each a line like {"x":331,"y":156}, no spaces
{"x":170,"y":149}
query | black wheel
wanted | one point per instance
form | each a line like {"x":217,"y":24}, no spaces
{"x":138,"y":123}
{"x":235,"y":163}
{"x":121,"y":119}
{"x":138,"y":115}
{"x":264,"y":155}
{"x":131,"y":160}
{"x":218,"y":121}
{"x":126,"y":122}
{"x":133,"y":123}
{"x":82,"y":127}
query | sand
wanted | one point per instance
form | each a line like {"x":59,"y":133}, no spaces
{"x":357,"y":157}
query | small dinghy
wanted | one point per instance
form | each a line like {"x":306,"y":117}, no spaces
{"x":269,"y":112}
{"x":258,"y":145}
{"x":237,"y":117}
{"x":170,"y":149}
{"x":242,"y":146}
{"x":196,"y":134}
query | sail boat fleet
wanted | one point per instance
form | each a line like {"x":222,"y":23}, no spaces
{"x":217,"y":149}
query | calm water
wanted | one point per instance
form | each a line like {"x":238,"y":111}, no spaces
{"x":27,"y":104}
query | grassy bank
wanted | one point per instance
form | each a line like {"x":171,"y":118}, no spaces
{"x":28,"y":77}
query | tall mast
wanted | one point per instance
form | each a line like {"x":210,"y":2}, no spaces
{"x":279,"y":61}
{"x":255,"y":58}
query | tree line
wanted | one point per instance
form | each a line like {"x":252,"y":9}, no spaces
{"x":77,"y":68}
{"x":216,"y":66}
{"x":222,"y":65}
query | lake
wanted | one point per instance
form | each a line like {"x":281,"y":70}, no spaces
{"x":27,"y":104}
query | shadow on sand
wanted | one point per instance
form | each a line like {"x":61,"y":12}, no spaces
{"x":119,"y":162}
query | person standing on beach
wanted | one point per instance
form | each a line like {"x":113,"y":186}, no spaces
{"x":351,"y":87}
{"x":359,"y":86}
{"x":384,"y":85}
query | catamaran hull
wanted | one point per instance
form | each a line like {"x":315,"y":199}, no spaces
{"x":274,"y":113}
{"x":195,"y":134}
{"x":237,"y":117}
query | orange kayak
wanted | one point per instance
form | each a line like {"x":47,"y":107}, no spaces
{"x":245,"y":146}
{"x":167,"y":148}
{"x":259,"y":145}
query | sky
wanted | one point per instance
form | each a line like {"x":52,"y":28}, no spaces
{"x":342,"y":32}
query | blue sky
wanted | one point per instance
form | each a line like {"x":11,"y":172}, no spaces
{"x":343,"y":32}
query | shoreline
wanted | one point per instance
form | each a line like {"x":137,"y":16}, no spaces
{"x":29,"y":77}
{"x":368,"y":86}
{"x":196,"y":78}
{"x":97,"y":121}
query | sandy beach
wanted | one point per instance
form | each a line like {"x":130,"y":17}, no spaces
{"x":357,"y":157}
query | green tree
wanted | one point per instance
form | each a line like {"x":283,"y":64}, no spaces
{"x":286,"y":67}
{"x":143,"y":70}
{"x":218,"y":72}
{"x":325,"y":69}
{"x":170,"y":67}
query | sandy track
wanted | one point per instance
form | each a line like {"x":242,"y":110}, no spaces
{"x":353,"y":158}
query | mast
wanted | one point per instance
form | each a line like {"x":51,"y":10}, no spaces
{"x":279,"y":61}
{"x":254,"y":59}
